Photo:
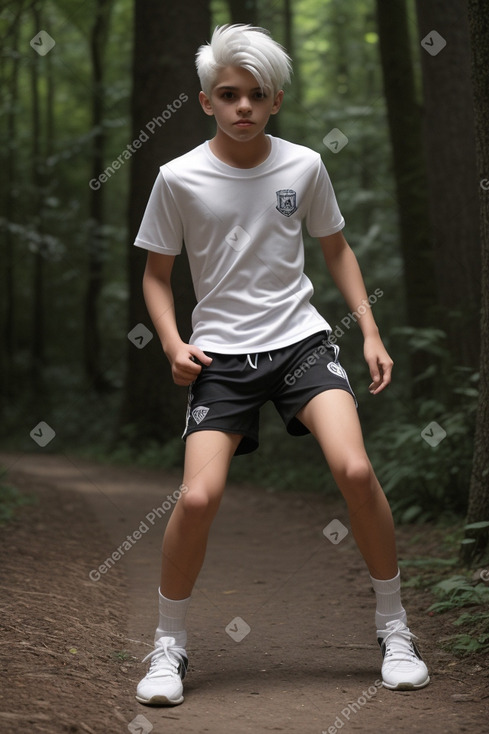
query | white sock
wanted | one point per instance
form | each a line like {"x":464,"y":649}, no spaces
{"x":172,"y":619}
{"x":389,"y":606}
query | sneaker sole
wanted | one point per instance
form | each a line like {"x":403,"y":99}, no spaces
{"x":406,"y":686}
{"x":159,"y":701}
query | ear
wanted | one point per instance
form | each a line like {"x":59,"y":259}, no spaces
{"x":277,"y":102}
{"x":206,"y":104}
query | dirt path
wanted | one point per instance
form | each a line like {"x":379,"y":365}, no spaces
{"x":299,"y":654}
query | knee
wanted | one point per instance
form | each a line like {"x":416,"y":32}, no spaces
{"x":198,"y":504}
{"x":356,"y":475}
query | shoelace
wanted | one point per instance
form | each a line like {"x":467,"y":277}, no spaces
{"x":399,"y":643}
{"x":166,"y":657}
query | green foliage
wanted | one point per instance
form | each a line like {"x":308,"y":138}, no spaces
{"x":477,"y":640}
{"x":153,"y":456}
{"x":120,"y":656}
{"x":477,"y":525}
{"x":59,"y":230}
{"x":424,"y":481}
{"x":457,"y":592}
{"x":452,"y":589}
{"x":10,"y":500}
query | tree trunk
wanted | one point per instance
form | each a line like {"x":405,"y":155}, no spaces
{"x":37,"y":355}
{"x":289,"y":46}
{"x":166,"y":40}
{"x":452,"y":173}
{"x":478,"y":509}
{"x":7,"y":371}
{"x":96,"y":238}
{"x":289,"y":28}
{"x":409,"y":170}
{"x":243,"y":12}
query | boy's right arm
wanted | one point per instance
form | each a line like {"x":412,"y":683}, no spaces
{"x":158,"y":296}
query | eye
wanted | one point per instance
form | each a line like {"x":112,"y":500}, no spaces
{"x":260,"y":95}
{"x":227,"y":96}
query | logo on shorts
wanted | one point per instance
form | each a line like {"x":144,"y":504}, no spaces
{"x":199,"y":413}
{"x":286,"y":202}
{"x":337,"y":369}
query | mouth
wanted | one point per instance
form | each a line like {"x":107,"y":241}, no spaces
{"x":244,"y":123}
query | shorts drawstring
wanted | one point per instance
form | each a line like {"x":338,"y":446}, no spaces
{"x":255,"y":366}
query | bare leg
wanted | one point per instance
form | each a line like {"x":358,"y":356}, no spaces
{"x":332,"y":418}
{"x":208,"y":455}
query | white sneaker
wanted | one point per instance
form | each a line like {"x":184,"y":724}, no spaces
{"x":162,"y":685}
{"x":403,"y":668}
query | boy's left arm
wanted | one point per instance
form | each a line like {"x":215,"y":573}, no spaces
{"x":345,"y":271}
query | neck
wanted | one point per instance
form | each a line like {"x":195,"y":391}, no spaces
{"x":240,"y":155}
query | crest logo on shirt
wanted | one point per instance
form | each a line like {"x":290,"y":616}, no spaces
{"x":199,"y":413}
{"x":286,"y":202}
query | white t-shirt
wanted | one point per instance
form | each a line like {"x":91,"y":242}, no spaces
{"x":242,"y":229}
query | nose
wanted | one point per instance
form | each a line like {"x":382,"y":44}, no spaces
{"x":244,"y":105}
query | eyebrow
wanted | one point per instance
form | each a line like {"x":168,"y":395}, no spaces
{"x":228,"y":86}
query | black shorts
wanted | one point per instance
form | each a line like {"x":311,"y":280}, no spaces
{"x":228,"y":394}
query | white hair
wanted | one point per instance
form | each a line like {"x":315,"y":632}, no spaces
{"x":249,"y":48}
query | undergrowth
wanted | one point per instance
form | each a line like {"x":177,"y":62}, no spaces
{"x":454,"y":589}
{"x":10,"y":500}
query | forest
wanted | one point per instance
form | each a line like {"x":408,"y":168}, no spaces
{"x":394,"y":95}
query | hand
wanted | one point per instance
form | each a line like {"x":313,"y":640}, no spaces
{"x":184,"y":369}
{"x":379,"y":362}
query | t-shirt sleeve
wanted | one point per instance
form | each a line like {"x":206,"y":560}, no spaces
{"x":323,"y":216}
{"x":161,"y":228}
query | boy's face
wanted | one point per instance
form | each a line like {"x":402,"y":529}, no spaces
{"x":240,"y":107}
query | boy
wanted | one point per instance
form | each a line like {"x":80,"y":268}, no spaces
{"x":238,"y":201}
